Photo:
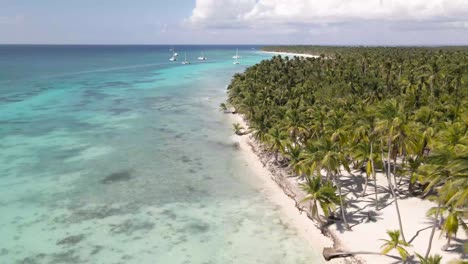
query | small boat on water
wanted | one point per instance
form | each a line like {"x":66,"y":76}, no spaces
{"x":202,"y":56}
{"x":237,"y":55}
{"x":236,"y":61}
{"x":185,"y":62}
{"x":174,"y":55}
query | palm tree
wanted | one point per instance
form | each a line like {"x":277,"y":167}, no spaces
{"x":294,"y":153}
{"x":390,"y":121}
{"x":395,"y":243}
{"x":223,"y":107}
{"x":330,"y":158}
{"x":435,"y":259}
{"x":446,"y":169}
{"x":238,"y":129}
{"x":323,"y":193}
{"x":293,"y":124}
{"x":276,"y":139}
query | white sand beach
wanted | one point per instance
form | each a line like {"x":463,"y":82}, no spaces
{"x":366,"y":233}
{"x":290,"y":54}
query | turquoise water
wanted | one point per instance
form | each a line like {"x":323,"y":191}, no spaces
{"x":113,"y":154}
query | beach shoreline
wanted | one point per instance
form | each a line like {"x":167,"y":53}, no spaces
{"x":282,"y":192}
{"x":366,"y":235}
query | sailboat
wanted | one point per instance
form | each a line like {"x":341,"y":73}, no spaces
{"x":236,"y":61}
{"x":237,"y":55}
{"x":174,"y":53}
{"x":173,"y":58}
{"x":202,"y":57}
{"x":185,"y":62}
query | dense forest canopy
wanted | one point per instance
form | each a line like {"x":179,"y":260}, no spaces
{"x":401,"y":111}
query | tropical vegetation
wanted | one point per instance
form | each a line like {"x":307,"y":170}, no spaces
{"x":402,"y":112}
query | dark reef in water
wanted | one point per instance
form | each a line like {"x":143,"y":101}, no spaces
{"x":71,"y":240}
{"x":65,"y":257}
{"x":128,"y":227}
{"x":119,"y":110}
{"x":124,"y":175}
{"x":84,"y":214}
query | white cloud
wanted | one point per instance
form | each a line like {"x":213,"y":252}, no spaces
{"x":258,"y":13}
{"x":220,"y":13}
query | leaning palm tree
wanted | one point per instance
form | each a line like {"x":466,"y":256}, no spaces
{"x":321,"y":192}
{"x":395,"y":243}
{"x":223,"y":107}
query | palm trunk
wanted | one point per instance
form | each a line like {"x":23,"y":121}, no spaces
{"x":411,"y":185}
{"x":393,"y":191}
{"x":343,"y":214}
{"x":403,"y":159}
{"x":436,"y":219}
{"x":331,"y":253}
{"x":375,"y":178}
{"x":315,"y":213}
{"x":365,"y":185}
{"x":385,"y":166}
{"x":394,"y":175}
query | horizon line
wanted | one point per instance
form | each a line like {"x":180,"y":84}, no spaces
{"x":233,"y":44}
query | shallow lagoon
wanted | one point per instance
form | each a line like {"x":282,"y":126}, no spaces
{"x":114,"y":155}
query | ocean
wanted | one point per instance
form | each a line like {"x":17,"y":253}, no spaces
{"x":114,"y":154}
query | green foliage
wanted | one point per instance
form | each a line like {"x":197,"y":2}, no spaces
{"x":223,"y":107}
{"x":395,"y":243}
{"x":408,"y":104}
{"x":321,"y":192}
{"x":435,"y":259}
{"x":238,"y":129}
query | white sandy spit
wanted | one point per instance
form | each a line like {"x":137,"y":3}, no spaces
{"x":365,"y":235}
{"x":290,"y":54}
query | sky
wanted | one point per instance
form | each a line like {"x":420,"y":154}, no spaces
{"x":317,"y":22}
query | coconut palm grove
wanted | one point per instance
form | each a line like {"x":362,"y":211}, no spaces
{"x":398,"y":111}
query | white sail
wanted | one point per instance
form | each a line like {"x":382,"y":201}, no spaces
{"x":174,"y":55}
{"x":185,"y":61}
{"x":237,"y":55}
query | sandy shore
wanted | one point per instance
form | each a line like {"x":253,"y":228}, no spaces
{"x":290,"y":54}
{"x":280,"y":192}
{"x":365,"y":235}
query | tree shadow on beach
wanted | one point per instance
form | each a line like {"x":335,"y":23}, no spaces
{"x":361,"y":208}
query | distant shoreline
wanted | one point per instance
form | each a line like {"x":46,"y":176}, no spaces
{"x":291,"y":54}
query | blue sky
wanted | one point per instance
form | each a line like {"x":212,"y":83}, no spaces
{"x":356,"y":22}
